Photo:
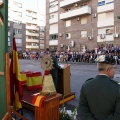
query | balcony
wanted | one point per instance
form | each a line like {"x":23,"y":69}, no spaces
{"x":32,"y":21}
{"x":18,"y":35}
{"x":32,"y":28}
{"x":54,"y":9}
{"x":105,"y":8}
{"x":17,"y":26}
{"x":53,"y":20}
{"x":17,"y":8}
{"x":32,"y":40}
{"x":32,"y":15}
{"x":108,"y":38}
{"x":77,"y":12}
{"x":32,"y":34}
{"x":107,"y":22}
{"x":53,"y":31}
{"x":51,"y":0}
{"x":53,"y":42}
{"x":42,"y":41}
{"x":66,"y":3}
{"x":32,"y":47}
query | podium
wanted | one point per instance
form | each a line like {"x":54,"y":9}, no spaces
{"x":49,"y":109}
{"x":63,"y":86}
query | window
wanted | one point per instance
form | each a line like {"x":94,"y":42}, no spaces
{"x":104,"y":16}
{"x":8,"y":39}
{"x":42,"y":29}
{"x":54,"y":4}
{"x":83,"y":20}
{"x":109,"y":31}
{"x":54,"y":37}
{"x":83,"y":34}
{"x":18,"y":40}
{"x":68,"y":35}
{"x":104,"y":2}
{"x":17,"y":31}
{"x":51,"y":16}
{"x":68,"y":23}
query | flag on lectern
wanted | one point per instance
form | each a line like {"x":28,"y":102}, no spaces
{"x":15,"y":80}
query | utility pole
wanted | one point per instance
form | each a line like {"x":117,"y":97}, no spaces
{"x":3,"y":50}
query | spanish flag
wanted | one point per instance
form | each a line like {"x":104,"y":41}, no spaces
{"x":15,"y":80}
{"x":38,"y":100}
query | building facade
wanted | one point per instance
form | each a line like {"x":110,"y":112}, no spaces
{"x":24,"y":22}
{"x":78,"y":25}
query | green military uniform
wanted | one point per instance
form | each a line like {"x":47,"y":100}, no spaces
{"x":54,"y":71}
{"x":100,"y":99}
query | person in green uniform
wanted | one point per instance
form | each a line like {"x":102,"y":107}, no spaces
{"x":100,"y":96}
{"x":54,"y":71}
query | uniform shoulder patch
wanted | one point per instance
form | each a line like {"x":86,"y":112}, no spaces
{"x":89,"y":79}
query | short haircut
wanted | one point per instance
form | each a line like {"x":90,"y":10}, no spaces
{"x":103,"y":66}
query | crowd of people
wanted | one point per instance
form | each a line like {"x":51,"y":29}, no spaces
{"x":75,"y":56}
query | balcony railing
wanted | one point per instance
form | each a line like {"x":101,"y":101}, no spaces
{"x":32,"y":40}
{"x":54,"y":9}
{"x":32,"y":34}
{"x":32,"y":28}
{"x":107,"y":22}
{"x":65,"y":3}
{"x":53,"y":20}
{"x":106,"y":7}
{"x":32,"y":47}
{"x":107,"y":38}
{"x":53,"y":42}
{"x":77,"y":12}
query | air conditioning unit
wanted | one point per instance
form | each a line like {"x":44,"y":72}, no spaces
{"x":116,"y":35}
{"x":102,"y":36}
{"x":78,"y":18}
{"x":94,"y":15}
{"x":71,"y":43}
{"x":61,"y":45}
{"x":60,"y":34}
{"x":90,"y":37}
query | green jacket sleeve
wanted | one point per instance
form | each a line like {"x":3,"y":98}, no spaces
{"x":55,"y":63}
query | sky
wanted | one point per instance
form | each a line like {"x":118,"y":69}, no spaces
{"x":40,"y":4}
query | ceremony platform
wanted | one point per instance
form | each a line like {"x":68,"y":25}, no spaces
{"x":28,"y":96}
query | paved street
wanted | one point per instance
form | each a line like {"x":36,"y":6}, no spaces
{"x":79,"y":73}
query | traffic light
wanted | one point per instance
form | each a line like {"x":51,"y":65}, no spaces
{"x":118,"y":17}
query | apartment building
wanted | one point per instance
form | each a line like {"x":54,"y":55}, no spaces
{"x":25,"y":23}
{"x":78,"y":25}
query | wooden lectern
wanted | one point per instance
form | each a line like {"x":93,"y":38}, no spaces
{"x":63,"y":86}
{"x":50,"y":109}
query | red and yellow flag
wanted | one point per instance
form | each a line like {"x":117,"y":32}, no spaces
{"x":15,"y":79}
{"x":38,"y":100}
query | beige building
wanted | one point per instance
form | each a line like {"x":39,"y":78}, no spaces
{"x":25,"y":22}
{"x":82,"y":24}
